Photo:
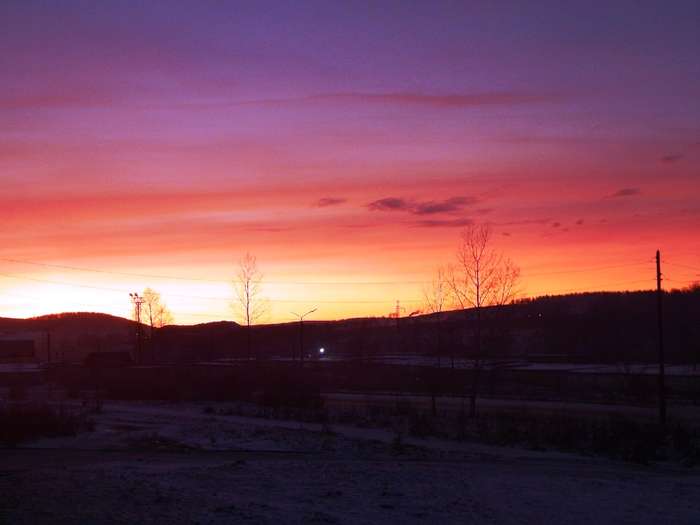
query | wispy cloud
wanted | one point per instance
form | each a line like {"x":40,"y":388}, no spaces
{"x":433,"y":207}
{"x":389,"y":204}
{"x":626,"y":192}
{"x":101,"y":96}
{"x":445,"y":101}
{"x":440,"y":223}
{"x":525,"y":222}
{"x":451,"y":205}
{"x":674,"y":157}
{"x":59,"y":99}
{"x":450,"y":100}
{"x":329,"y":201}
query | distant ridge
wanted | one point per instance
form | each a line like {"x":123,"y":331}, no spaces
{"x":610,"y":327}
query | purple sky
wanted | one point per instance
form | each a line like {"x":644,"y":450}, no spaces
{"x":181,"y":127}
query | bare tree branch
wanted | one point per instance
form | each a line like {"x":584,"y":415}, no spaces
{"x":507,"y":283}
{"x":437,"y":297}
{"x":482,"y":276}
{"x":156,"y":312}
{"x":250,"y":305}
{"x":437,"y":293}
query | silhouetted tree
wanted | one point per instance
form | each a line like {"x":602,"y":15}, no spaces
{"x":155,"y":314}
{"x":155,"y":311}
{"x":250,"y":304}
{"x":482,"y":277}
{"x":437,"y":297}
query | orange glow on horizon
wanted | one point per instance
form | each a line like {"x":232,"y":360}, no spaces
{"x":31,"y":290}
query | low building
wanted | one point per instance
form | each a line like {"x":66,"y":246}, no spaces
{"x":16,"y":350}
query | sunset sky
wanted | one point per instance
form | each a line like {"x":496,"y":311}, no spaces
{"x":154,"y":143}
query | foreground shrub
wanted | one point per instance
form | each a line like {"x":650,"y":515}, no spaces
{"x":286,"y":391}
{"x":23,"y":423}
{"x":616,"y":437}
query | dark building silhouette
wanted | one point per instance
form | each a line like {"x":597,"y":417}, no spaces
{"x":17,"y":351}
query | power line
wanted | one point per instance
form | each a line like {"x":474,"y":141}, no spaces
{"x":584,"y":270}
{"x":695,"y":268}
{"x":295,"y":301}
{"x":199,"y":279}
{"x":125,"y":291}
{"x":110,"y":272}
{"x":320,"y":283}
{"x":35,"y":279}
{"x":34,"y":298}
{"x":214,"y":316}
{"x":592,"y":289}
{"x":680,"y":281}
{"x":122,"y":291}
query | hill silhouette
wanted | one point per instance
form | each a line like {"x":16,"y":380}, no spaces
{"x":587,"y":327}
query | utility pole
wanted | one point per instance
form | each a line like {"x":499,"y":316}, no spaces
{"x":659,"y":296}
{"x":138,"y":301}
{"x":301,"y":333}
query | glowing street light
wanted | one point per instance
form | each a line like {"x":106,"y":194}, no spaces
{"x":301,"y":332}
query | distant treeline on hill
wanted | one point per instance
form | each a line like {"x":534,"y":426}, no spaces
{"x":611,"y":327}
{"x":591,"y":327}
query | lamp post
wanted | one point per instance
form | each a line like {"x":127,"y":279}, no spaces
{"x":301,"y":333}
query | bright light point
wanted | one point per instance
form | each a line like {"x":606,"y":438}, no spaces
{"x":321,"y":350}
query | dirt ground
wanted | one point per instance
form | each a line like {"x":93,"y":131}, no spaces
{"x":168,"y":463}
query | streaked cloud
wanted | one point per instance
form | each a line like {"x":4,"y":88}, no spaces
{"x":626,"y":192}
{"x":389,"y":204}
{"x":451,"y":205}
{"x":50,"y":99}
{"x":672,"y":158}
{"x":446,"y":101}
{"x":432,"y":207}
{"x":446,"y":223}
{"x":329,"y":201}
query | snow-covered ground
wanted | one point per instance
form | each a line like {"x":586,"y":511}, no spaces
{"x":514,"y":364}
{"x":177,"y":463}
{"x":364,"y":401}
{"x":445,"y":362}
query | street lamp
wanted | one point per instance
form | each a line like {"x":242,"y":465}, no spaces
{"x":301,"y":333}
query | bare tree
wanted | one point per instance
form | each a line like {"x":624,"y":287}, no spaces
{"x":437,"y":297}
{"x":482,"y":277}
{"x":249,"y":302}
{"x":149,"y":310}
{"x":157,"y":314}
{"x":506,"y":283}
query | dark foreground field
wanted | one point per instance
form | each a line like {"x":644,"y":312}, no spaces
{"x":187,"y":463}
